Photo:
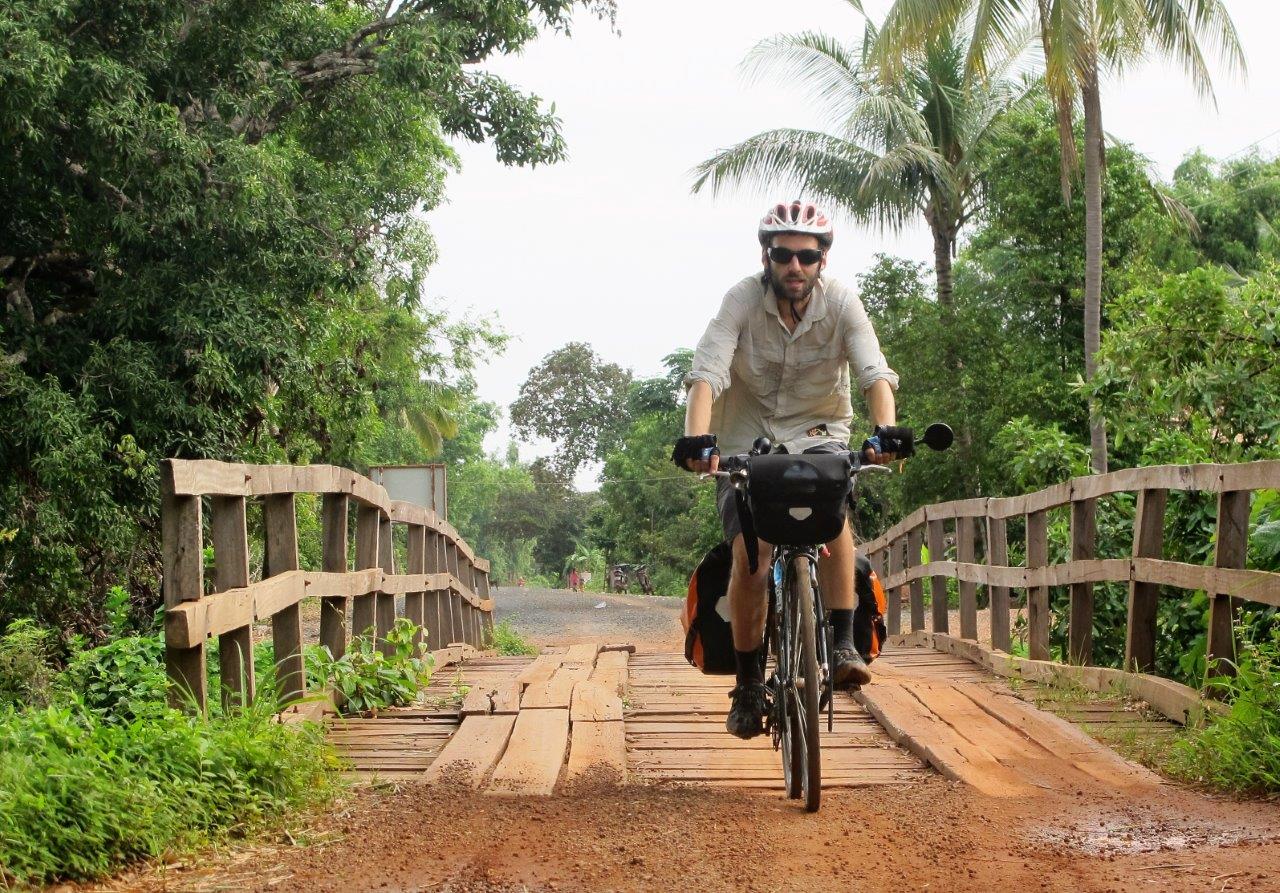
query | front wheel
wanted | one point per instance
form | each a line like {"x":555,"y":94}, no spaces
{"x":807,"y":684}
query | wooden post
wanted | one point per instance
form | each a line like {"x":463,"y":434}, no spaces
{"x":965,"y":553}
{"x":487,"y":594}
{"x":914,"y":537}
{"x":998,"y":556}
{"x":1232,"y":547}
{"x":368,"y":519}
{"x":457,"y":606}
{"x":333,"y":609}
{"x":937,"y":582}
{"x":229,"y":534}
{"x":1037,"y":596}
{"x":385,"y":602}
{"x":182,"y":557}
{"x":280,"y":524}
{"x":1083,"y":548}
{"x":1148,"y":542}
{"x":416,"y":561}
{"x":893,"y":556}
{"x":438,"y":619}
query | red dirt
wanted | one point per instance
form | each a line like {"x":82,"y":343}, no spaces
{"x":933,"y":836}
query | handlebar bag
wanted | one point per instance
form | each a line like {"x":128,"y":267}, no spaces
{"x":798,"y":499}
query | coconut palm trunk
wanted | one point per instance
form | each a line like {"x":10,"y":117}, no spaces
{"x":944,"y":241}
{"x":1094,"y":148}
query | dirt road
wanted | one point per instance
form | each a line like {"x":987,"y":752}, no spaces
{"x":928,"y":835}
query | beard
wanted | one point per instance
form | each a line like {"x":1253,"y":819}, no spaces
{"x":796,"y":291}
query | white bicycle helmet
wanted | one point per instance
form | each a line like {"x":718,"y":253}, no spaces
{"x":797,"y":217}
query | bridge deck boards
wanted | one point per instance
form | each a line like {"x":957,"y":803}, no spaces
{"x":675,"y":732}
{"x":402,"y":742}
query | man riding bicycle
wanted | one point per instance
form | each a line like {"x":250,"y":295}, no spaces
{"x":775,"y":361}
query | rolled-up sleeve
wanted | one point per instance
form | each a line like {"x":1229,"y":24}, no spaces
{"x":715,"y":350}
{"x":866,"y":360}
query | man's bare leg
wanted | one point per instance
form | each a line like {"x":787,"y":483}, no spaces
{"x":748,"y":596}
{"x":748,"y":608}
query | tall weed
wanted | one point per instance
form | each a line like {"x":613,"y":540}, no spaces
{"x":1240,"y":751}
{"x":26,"y":673}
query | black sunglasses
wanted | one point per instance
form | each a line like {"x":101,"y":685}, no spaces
{"x":807,"y":256}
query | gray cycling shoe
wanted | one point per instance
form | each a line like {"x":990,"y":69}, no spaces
{"x":850,"y":668}
{"x":750,"y":704}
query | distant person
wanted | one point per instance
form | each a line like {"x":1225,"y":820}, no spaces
{"x":574,"y":580}
{"x":522,"y":584}
{"x":775,"y":362}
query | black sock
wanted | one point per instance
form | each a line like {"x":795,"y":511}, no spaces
{"x":750,"y":666}
{"x":842,"y":625}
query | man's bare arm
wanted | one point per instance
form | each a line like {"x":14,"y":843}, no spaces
{"x":881,"y":404}
{"x":697,"y":420}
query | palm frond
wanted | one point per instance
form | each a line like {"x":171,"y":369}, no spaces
{"x":829,"y":70}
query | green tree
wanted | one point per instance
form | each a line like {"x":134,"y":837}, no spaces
{"x":207,"y":206}
{"x":1080,"y":39}
{"x":900,"y":145}
{"x":1237,"y":208}
{"x":573,"y":398}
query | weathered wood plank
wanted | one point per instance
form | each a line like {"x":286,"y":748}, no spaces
{"x":182,"y":558}
{"x":914,"y":541}
{"x":280,"y":529}
{"x":535,"y":754}
{"x":363,"y":608}
{"x":1230,"y":551}
{"x":333,"y":609}
{"x":598,"y":752}
{"x":594,"y":703}
{"x":1038,"y":595}
{"x":998,"y":555}
{"x":965,"y":553}
{"x":938,"y":582}
{"x":473,"y":751}
{"x":1148,"y":542}
{"x":1083,"y":548}
{"x":228,"y":532}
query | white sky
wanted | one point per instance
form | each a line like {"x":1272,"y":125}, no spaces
{"x":611,"y":248}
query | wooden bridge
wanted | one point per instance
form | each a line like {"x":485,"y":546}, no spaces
{"x":602,"y":712}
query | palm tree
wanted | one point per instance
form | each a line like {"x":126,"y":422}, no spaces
{"x":898,"y":146}
{"x":1080,"y":39}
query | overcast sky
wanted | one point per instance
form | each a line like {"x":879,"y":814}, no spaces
{"x":611,"y":248}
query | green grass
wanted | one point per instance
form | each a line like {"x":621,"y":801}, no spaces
{"x":81,"y":796}
{"x":1239,"y":751}
{"x":507,"y":641}
{"x":98,"y":771}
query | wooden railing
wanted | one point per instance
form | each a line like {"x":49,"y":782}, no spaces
{"x":444,"y":585}
{"x":896,"y":555}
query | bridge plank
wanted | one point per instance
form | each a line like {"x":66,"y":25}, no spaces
{"x":535,"y":754}
{"x":937,"y":743}
{"x":598,"y":751}
{"x":594,"y":703}
{"x":473,"y":751}
{"x":611,"y":671}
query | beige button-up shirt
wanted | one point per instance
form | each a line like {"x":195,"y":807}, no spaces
{"x":792,"y":387}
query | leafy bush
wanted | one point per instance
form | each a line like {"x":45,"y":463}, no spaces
{"x":25,"y":671}
{"x":121,"y":680}
{"x":80,"y":796}
{"x":1241,"y":750}
{"x":367,"y":679}
{"x":507,"y":641}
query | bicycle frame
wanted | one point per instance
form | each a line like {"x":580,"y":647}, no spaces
{"x":781,"y":566}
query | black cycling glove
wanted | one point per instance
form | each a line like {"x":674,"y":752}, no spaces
{"x":901,"y":442}
{"x":702,"y":446}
